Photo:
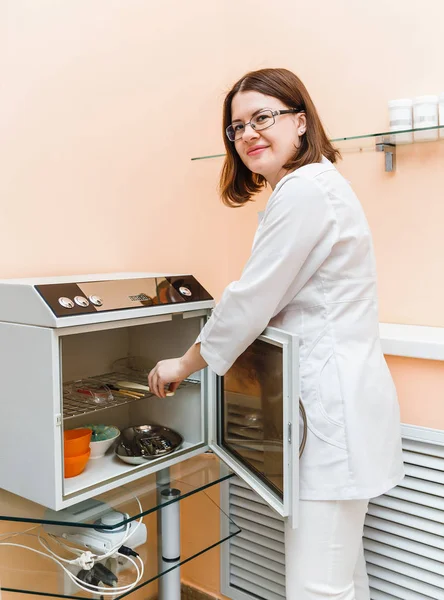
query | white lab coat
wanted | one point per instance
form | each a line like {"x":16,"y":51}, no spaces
{"x":312,"y":272}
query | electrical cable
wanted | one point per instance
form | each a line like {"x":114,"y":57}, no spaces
{"x":81,"y":584}
{"x":8,"y":535}
{"x":97,"y":558}
{"x":86,"y":559}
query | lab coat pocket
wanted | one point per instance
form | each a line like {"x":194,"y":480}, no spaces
{"x":326,"y":414}
{"x":329,"y":393}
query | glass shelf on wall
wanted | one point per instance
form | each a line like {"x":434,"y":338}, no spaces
{"x":24,"y":571}
{"x":132,"y":500}
{"x":385,"y":141}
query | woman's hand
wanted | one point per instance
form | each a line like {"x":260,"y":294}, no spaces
{"x":169,"y":371}
{"x":175,"y":370}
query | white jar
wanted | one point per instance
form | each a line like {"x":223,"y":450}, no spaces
{"x":425,"y":114}
{"x":400,"y":114}
{"x":441,"y":114}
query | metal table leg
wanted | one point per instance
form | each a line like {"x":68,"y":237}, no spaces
{"x":168,"y":538}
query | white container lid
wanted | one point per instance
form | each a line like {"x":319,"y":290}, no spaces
{"x":402,"y":102}
{"x":431,"y":99}
{"x":441,"y":97}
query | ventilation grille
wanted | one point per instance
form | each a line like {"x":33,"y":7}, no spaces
{"x":403,"y":534}
{"x":404,"y":530}
{"x":256,"y":554}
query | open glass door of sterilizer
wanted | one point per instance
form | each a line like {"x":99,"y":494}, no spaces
{"x":254,"y":418}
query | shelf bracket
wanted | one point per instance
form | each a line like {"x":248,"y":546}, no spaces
{"x":389,"y":150}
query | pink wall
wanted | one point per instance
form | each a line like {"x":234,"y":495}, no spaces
{"x":103,"y":104}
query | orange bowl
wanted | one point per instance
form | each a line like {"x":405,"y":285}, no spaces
{"x":76,"y":442}
{"x":74,"y":465}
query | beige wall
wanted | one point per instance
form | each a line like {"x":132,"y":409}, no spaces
{"x":103,"y":104}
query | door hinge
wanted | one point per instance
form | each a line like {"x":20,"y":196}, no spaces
{"x":289,"y":433}
{"x":58,"y":420}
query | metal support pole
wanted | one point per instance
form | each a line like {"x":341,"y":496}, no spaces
{"x":168,"y":538}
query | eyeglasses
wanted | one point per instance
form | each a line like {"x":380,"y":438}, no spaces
{"x":262,"y":120}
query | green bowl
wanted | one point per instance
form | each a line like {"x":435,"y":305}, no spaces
{"x":102,"y":438}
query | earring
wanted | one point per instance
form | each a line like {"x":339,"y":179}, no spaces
{"x":301,"y":131}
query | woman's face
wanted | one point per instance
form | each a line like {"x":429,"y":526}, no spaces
{"x":266,"y":151}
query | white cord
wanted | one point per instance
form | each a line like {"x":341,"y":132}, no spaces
{"x":88,"y":555}
{"x":7,"y":536}
{"x":110,"y":552}
{"x":71,"y":549}
{"x":107,"y":591}
{"x":104,"y":591}
{"x":86,"y":559}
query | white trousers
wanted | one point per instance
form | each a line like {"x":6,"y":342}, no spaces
{"x":324,"y":556}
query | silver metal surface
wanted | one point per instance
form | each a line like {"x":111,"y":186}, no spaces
{"x":147,"y":442}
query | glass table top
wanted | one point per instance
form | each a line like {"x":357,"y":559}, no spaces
{"x":27,"y":526}
{"x":131,"y":501}
{"x":22,"y":570}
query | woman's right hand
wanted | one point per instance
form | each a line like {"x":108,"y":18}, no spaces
{"x":170,"y":371}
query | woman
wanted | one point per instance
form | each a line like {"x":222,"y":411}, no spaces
{"x":312,"y":272}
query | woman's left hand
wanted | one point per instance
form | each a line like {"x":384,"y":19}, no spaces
{"x":168,"y":371}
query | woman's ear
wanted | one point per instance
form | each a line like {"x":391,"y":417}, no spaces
{"x":302,"y":123}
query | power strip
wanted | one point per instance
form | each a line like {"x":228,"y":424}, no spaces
{"x":95,"y":539}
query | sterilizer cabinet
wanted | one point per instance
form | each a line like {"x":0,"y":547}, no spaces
{"x":71,"y":356}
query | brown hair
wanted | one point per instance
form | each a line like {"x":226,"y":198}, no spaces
{"x":237,"y":183}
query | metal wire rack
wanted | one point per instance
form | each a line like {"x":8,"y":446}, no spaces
{"x":75,"y":404}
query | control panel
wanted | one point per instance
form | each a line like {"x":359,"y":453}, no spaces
{"x":65,"y":299}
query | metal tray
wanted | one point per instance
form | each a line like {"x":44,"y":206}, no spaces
{"x":142,"y":443}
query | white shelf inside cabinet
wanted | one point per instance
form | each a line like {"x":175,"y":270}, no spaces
{"x":413,"y":341}
{"x":101,"y":470}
